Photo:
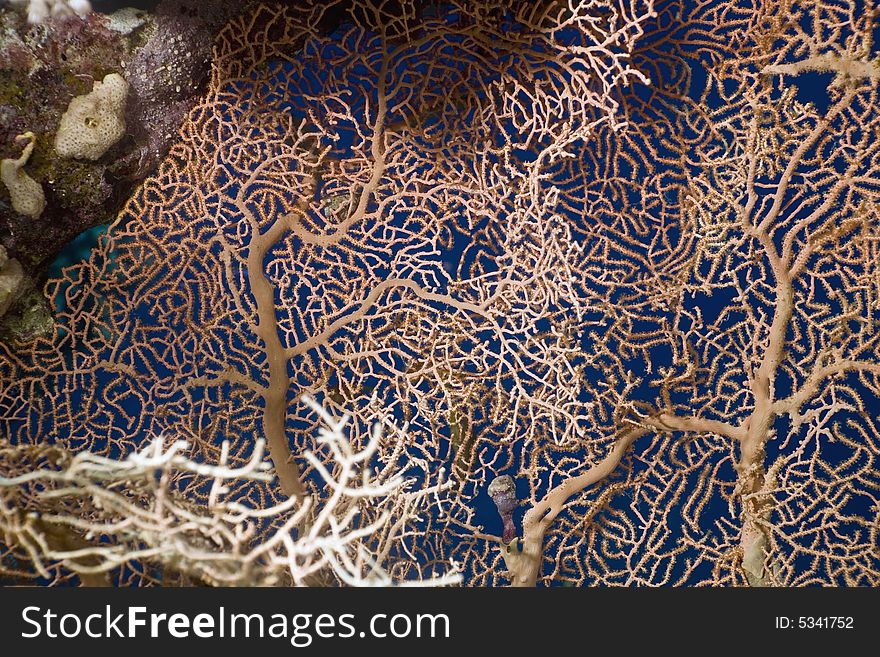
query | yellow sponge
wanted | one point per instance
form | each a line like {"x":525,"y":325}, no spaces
{"x":95,"y":121}
{"x":27,"y":194}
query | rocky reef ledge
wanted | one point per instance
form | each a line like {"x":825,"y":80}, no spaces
{"x":128,"y":78}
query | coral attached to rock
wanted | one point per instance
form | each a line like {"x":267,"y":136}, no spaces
{"x":163,"y":55}
{"x":26,"y":193}
{"x":95,"y":121}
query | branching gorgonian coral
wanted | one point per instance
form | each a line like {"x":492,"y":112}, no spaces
{"x":616,"y":252}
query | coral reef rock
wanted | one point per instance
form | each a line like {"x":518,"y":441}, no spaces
{"x":11,"y":277}
{"x":28,"y":318}
{"x":46,"y":72}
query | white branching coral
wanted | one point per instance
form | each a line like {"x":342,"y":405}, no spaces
{"x":40,"y":10}
{"x":141,"y":516}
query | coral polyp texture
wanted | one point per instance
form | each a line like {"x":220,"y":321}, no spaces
{"x":558,"y":293}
